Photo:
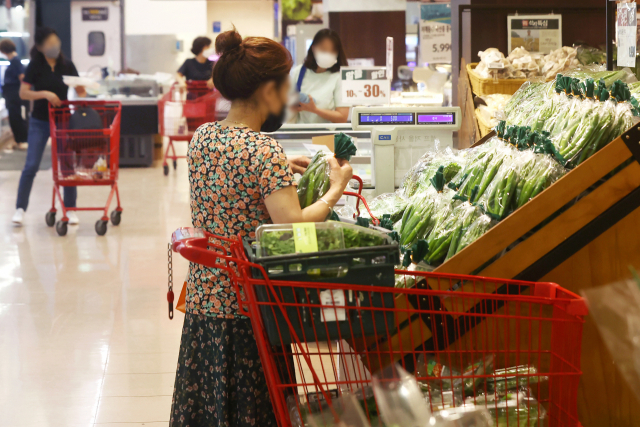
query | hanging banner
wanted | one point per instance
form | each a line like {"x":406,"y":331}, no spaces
{"x":535,"y":33}
{"x":626,"y":27}
{"x":435,"y":33}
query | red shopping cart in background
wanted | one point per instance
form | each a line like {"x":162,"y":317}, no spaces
{"x":85,"y":151}
{"x":181,"y":111}
{"x":512,"y":347}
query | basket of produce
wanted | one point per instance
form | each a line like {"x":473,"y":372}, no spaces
{"x":487,"y":85}
{"x":330,"y":252}
{"x":496,"y":73}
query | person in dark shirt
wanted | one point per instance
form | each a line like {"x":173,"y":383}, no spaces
{"x":11,"y":92}
{"x":43,"y":84}
{"x":198,"y":68}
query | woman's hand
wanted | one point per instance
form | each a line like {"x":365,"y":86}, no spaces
{"x":309,"y":106}
{"x":341,"y":173}
{"x":210,"y":83}
{"x":52,"y":98}
{"x":298,"y":164}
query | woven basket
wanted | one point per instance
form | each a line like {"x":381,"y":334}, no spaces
{"x":482,"y":86}
{"x":484,"y":127}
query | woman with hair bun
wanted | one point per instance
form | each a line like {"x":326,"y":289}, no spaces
{"x":239,"y":179}
{"x":198,"y":68}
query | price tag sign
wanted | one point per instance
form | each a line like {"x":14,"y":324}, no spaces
{"x":626,"y":34}
{"x":435,"y":33}
{"x":304,"y":237}
{"x":365,"y":85}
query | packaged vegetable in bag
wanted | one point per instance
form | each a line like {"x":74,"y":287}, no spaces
{"x":496,"y":200}
{"x":315,"y":182}
{"x":512,"y":409}
{"x":392,"y":204}
{"x":481,"y":225}
{"x":436,"y":379}
{"x":513,"y":378}
{"x":399,"y":398}
{"x":422,"y":214}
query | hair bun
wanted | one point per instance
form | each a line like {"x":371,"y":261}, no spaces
{"x":228,"y":41}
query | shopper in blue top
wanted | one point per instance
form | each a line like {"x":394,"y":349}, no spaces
{"x":43,"y":84}
{"x":11,"y":92}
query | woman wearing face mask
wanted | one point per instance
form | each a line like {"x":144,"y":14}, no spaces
{"x":239,"y":179}
{"x":318,"y":81}
{"x":43,"y":84}
{"x":198,"y":68}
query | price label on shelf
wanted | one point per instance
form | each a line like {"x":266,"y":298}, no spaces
{"x":365,"y":85}
{"x":435,"y":33}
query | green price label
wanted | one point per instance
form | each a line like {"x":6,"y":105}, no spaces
{"x":304,"y":237}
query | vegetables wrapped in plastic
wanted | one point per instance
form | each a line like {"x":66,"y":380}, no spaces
{"x":392,"y":204}
{"x":418,"y":179}
{"x":536,"y":176}
{"x":481,"y":225}
{"x":314,"y":183}
{"x":448,"y":230}
{"x":514,"y":377}
{"x":499,"y":194}
{"x":436,"y":380}
{"x":517,"y":409}
{"x":422,"y":214}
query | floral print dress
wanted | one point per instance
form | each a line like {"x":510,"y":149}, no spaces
{"x":219,"y":379}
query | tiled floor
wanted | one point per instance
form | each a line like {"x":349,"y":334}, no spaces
{"x":84,"y":334}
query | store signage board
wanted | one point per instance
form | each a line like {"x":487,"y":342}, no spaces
{"x":535,"y":33}
{"x":626,"y":29}
{"x":365,"y":85}
{"x":95,"y":13}
{"x":435,"y":33}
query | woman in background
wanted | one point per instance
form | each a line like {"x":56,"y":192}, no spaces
{"x":198,"y":68}
{"x":318,"y":81}
{"x":43,"y":84}
{"x":13,"y":76}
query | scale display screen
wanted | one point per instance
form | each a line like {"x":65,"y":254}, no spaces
{"x":437,"y":119}
{"x":387,"y":118}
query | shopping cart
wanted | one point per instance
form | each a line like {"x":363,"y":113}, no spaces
{"x":85,"y":155}
{"x":181,"y":111}
{"x":512,"y":346}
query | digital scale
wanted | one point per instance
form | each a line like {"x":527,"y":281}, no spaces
{"x":401,"y":135}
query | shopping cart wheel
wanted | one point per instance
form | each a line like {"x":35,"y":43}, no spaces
{"x":175,"y":164}
{"x":166,"y":170}
{"x":116,"y":216}
{"x":50,"y":218}
{"x":101,"y":227}
{"x":61,"y":228}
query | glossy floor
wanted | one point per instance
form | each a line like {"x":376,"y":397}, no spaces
{"x":84,"y":334}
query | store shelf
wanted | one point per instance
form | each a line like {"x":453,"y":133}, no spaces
{"x":581,"y":232}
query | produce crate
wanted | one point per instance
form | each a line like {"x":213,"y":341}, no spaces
{"x":482,"y":86}
{"x":359,"y":266}
{"x":484,"y":127}
{"x":580,"y":232}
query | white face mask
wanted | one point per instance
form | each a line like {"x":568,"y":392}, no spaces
{"x":208,"y":52}
{"x":325,"y":59}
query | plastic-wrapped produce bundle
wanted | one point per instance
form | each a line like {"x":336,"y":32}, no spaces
{"x":474,"y":170}
{"x":393,"y":204}
{"x":421,"y":215}
{"x":314,"y":183}
{"x":436,"y":380}
{"x":496,"y":200}
{"x":538,"y":172}
{"x":512,"y":409}
{"x":418,"y":178}
{"x":448,"y":230}
{"x":481,"y":225}
{"x":513,"y":378}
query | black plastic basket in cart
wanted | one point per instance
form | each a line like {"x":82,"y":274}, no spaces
{"x":372,"y":266}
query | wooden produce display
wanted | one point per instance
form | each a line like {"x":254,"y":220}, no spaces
{"x":583,"y":231}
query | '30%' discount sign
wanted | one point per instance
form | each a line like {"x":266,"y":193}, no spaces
{"x":365,"y":85}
